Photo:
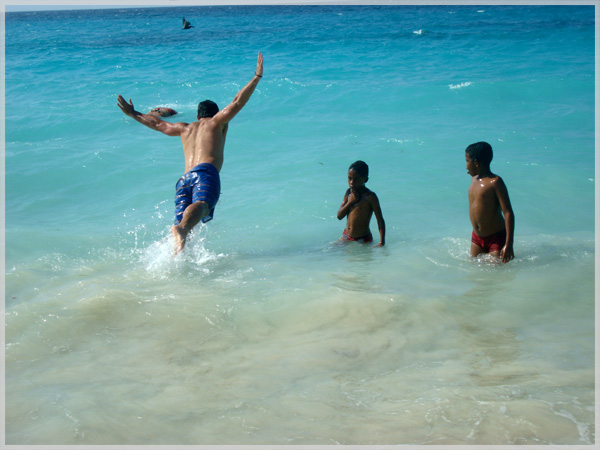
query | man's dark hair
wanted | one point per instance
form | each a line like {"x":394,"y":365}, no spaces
{"x":207,"y":108}
{"x":480,"y":152}
{"x":360,"y":167}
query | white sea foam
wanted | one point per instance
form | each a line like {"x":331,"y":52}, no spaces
{"x":460,"y":86}
{"x":159,"y":258}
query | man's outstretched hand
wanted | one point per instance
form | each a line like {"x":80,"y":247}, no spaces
{"x":259,"y":65}
{"x":127,"y":108}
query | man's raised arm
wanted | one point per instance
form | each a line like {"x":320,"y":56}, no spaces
{"x":226,"y":114}
{"x":149,"y":120}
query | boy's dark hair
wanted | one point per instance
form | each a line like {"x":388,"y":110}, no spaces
{"x":480,"y":152}
{"x":207,"y":108}
{"x":360,"y":167}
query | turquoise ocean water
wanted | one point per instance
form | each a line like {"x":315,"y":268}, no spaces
{"x":266,"y":330}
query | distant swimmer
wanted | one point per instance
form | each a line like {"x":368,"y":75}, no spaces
{"x":490,"y":210}
{"x":186,"y":24}
{"x":162,"y":112}
{"x":358,"y":205}
{"x":198,"y":190}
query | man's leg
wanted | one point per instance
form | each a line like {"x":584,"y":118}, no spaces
{"x":191,"y":216}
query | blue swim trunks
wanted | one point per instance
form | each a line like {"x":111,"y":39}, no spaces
{"x":202,"y":183}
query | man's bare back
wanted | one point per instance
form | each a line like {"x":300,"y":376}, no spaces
{"x":204,"y":142}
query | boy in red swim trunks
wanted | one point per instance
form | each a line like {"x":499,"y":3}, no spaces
{"x":358,"y":205}
{"x":490,"y":210}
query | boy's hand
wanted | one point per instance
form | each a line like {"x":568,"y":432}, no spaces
{"x":353,"y":197}
{"x":507,"y":254}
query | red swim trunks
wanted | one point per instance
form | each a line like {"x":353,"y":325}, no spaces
{"x":492,"y":243}
{"x":365,"y":239}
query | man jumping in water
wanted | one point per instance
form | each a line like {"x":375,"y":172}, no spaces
{"x":203,"y":142}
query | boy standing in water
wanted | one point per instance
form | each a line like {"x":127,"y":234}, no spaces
{"x":490,"y":210}
{"x":359,"y":204}
{"x":198,"y":190}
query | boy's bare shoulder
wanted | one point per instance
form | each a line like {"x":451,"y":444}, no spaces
{"x":374,"y":195}
{"x":488,"y":181}
{"x":497,"y":181}
{"x":368,"y":192}
{"x":370,"y":195}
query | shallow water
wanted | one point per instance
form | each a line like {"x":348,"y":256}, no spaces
{"x":266,"y":330}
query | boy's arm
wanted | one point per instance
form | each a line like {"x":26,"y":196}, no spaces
{"x":149,"y":120}
{"x":507,"y":252}
{"x":379,"y":216}
{"x":228,"y":113}
{"x":349,"y":200}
